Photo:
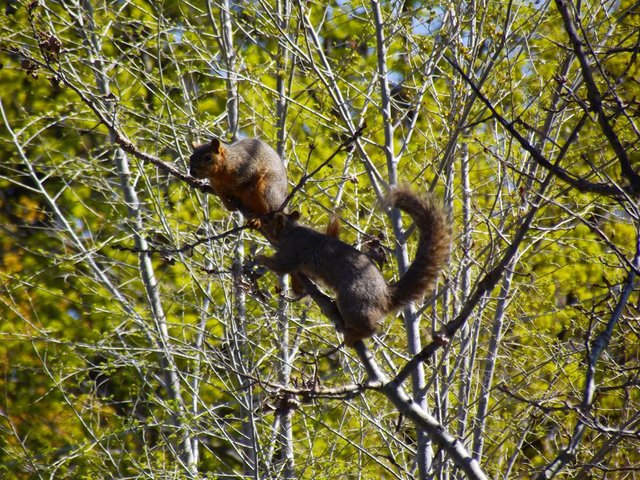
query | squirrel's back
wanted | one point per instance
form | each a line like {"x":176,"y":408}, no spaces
{"x":253,"y":152}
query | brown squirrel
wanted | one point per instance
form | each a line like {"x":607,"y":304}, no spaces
{"x":363,"y":297}
{"x":247,"y":175}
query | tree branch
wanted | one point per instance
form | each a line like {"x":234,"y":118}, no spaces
{"x":597,"y":347}
{"x":186,"y":247}
{"x":342,"y":147}
{"x":119,"y":137}
{"x":488,"y":282}
{"x":595,"y":100}
{"x":394,"y":392}
{"x":580,"y":184}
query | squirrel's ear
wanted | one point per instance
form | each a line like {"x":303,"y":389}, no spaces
{"x":194,"y":144}
{"x":295,"y":216}
{"x":277,"y":221}
{"x":216,"y":146}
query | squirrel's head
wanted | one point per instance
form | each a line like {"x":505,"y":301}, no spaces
{"x":205,"y":158}
{"x":274,"y":224}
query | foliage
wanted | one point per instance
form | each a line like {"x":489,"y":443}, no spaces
{"x":133,"y":345}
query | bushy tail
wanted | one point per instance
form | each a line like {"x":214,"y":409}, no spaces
{"x":434,"y":224}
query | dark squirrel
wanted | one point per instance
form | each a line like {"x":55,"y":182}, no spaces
{"x":363,"y":297}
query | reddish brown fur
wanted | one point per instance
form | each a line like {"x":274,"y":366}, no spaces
{"x":247,"y":175}
{"x":333,"y":227}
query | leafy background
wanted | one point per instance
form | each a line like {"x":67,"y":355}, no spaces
{"x":185,"y":361}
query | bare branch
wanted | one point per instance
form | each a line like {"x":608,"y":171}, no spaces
{"x":393,"y":391}
{"x":578,"y":183}
{"x":595,"y":100}
{"x":341,"y":148}
{"x":597,"y":348}
{"x":185,"y":248}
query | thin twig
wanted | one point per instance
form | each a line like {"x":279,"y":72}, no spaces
{"x":576,"y":182}
{"x":342,"y":147}
{"x":595,"y":99}
{"x":597,"y":347}
{"x":185,"y":247}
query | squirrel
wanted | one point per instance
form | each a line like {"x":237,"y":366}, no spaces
{"x":363,"y":297}
{"x":332,"y":230}
{"x":247,"y":175}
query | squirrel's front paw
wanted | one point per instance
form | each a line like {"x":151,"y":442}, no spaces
{"x":254,"y":223}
